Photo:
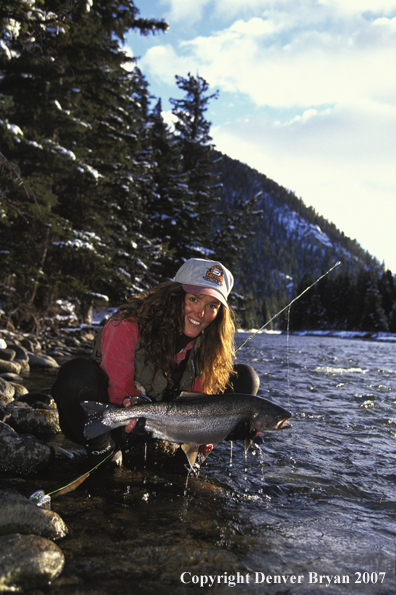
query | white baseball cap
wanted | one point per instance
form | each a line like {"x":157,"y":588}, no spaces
{"x":206,"y":277}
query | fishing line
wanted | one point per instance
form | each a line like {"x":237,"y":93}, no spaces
{"x":287,"y":352}
{"x":289,"y":304}
{"x":40,"y":498}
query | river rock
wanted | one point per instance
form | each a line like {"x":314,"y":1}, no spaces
{"x":28,"y":562}
{"x":7,"y":354}
{"x":3,"y":344}
{"x":3,"y":413}
{"x":25,"y":418}
{"x":31,"y":344}
{"x":8,"y":366}
{"x":20,"y":515}
{"x":20,"y":390}
{"x":12,"y":378}
{"x":7,"y":391}
{"x":21,"y":353}
{"x":38,"y":398}
{"x":42,"y":360}
{"x":22,"y":454}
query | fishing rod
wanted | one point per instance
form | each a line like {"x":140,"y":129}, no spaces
{"x":289,"y":304}
{"x":41,"y":499}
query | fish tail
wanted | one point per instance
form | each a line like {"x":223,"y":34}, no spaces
{"x":95,"y":425}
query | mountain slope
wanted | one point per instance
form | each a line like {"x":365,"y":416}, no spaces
{"x":287,"y":241}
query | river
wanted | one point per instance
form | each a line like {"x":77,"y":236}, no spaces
{"x":311,"y":510}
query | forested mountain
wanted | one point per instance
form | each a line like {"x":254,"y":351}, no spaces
{"x":101,"y":199}
{"x":287,"y":247}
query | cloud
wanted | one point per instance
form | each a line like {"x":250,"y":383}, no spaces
{"x":314,"y":84}
{"x":276,"y":65}
{"x":349,"y":7}
{"x":339,"y":160}
{"x":189,"y":11}
{"x":163,"y":62}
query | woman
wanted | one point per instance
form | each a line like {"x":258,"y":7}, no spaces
{"x":178,"y":337}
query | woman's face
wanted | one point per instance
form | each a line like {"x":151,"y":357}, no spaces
{"x":199,"y":312}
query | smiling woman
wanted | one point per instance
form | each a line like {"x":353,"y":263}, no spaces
{"x":178,"y":337}
{"x":199,"y":312}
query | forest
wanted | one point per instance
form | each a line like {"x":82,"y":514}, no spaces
{"x":100,"y":199}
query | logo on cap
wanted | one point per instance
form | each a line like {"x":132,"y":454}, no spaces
{"x":215,"y":275}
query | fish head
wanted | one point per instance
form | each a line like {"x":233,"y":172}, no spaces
{"x":270,"y":417}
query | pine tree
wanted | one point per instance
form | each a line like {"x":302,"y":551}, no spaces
{"x":192,"y":130}
{"x":166,"y":205}
{"x":373,"y":317}
{"x":70,"y":116}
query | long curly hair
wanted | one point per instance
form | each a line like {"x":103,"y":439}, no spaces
{"x":160,"y":318}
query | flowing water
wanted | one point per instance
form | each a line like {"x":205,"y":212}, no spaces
{"x":310,"y":510}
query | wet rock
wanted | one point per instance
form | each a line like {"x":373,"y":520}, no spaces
{"x":8,"y":366}
{"x":35,"y":420}
{"x":12,"y":378}
{"x":28,"y":562}
{"x":22,"y":454}
{"x":7,"y":391}
{"x":7,"y":354}
{"x":42,"y":360}
{"x":20,"y":390}
{"x":20,"y":515}
{"x":31,"y":344}
{"x":73,"y":341}
{"x":57,"y":353}
{"x":21,"y":353}
{"x":36,"y":398}
{"x":3,"y":413}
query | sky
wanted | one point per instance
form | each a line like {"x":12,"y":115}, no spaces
{"x":307,"y":96}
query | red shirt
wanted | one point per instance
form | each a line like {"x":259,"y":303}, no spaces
{"x":119,"y":342}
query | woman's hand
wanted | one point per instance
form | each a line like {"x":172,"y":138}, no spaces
{"x":127,"y":403}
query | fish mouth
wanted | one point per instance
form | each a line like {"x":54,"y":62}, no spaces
{"x":283,"y":424}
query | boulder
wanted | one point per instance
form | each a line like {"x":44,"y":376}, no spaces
{"x":8,"y":366}
{"x":7,"y":354}
{"x":27,"y":419}
{"x":20,"y":515}
{"x":42,"y":360}
{"x":28,"y":562}
{"x":7,"y":391}
{"x":22,"y":455}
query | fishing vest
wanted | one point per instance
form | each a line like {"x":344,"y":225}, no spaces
{"x":153,"y":380}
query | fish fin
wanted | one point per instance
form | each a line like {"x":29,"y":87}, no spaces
{"x":187,"y":395}
{"x":140,"y":389}
{"x":191,"y":452}
{"x":139,"y":400}
{"x":248,"y":443}
{"x":94,"y":413}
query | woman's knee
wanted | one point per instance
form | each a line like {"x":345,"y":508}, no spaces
{"x":79,"y":380}
{"x":245,"y":380}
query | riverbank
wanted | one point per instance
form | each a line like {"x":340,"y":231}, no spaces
{"x":36,"y":542}
{"x":29,"y":430}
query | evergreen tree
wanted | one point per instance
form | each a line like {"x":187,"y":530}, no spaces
{"x":373,"y":317}
{"x":167,"y":204}
{"x":387,"y":289}
{"x":231,"y":229}
{"x":192,"y":130}
{"x":70,"y":115}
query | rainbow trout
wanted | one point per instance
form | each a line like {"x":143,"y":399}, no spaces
{"x":192,"y":420}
